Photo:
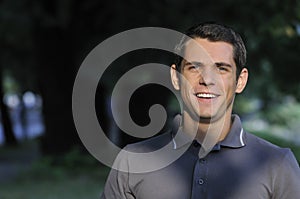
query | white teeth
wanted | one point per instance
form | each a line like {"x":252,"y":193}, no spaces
{"x":206,"y":95}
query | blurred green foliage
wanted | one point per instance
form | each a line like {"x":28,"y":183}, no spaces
{"x":279,"y":121}
{"x":72,"y":163}
{"x":286,"y":113}
{"x":73,"y":175}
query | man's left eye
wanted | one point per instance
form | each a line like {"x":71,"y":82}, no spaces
{"x":221,"y":68}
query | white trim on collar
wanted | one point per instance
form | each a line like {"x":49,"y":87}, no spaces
{"x":174,"y":143}
{"x":241,"y":137}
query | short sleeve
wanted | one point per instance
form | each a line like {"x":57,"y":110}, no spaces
{"x":117,"y":183}
{"x":287,"y":180}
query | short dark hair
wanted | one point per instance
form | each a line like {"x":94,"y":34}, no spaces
{"x":215,"y":32}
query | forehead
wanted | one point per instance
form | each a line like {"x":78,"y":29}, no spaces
{"x":208,"y":52}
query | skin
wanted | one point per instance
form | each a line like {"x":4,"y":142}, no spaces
{"x":209,"y":71}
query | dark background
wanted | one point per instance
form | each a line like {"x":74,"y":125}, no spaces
{"x":43,"y":43}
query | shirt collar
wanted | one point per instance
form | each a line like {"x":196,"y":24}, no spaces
{"x":234,"y":139}
{"x":236,"y":136}
{"x":179,"y":138}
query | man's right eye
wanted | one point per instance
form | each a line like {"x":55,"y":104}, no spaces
{"x":193,"y":67}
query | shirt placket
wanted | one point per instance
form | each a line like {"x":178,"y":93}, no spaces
{"x":199,"y":188}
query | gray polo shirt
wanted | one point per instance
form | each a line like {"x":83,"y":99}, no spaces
{"x":242,"y":166}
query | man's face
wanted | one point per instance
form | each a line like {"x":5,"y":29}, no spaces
{"x":208,"y":80}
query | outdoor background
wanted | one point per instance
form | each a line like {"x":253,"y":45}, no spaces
{"x":43,"y":43}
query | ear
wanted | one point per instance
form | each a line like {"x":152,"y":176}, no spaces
{"x":174,"y":77}
{"x":242,"y":81}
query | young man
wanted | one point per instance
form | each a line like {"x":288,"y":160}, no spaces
{"x":220,"y":159}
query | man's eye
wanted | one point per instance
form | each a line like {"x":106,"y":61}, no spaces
{"x":193,"y":67}
{"x":221,"y":68}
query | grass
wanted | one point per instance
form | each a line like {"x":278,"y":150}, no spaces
{"x":75,"y":187}
{"x":75,"y":175}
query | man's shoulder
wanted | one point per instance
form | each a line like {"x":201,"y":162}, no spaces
{"x":150,"y":144}
{"x":264,"y":147}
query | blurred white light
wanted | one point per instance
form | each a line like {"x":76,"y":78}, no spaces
{"x":298,"y":29}
{"x":12,"y":100}
{"x":29,"y":99}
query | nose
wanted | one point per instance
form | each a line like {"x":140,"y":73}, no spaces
{"x":207,"y":76}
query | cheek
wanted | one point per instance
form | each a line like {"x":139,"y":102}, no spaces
{"x":227,"y":86}
{"x":231,"y":90}
{"x":185,"y":91}
{"x":187,"y":82}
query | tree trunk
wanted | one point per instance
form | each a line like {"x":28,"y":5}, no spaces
{"x":9,"y":136}
{"x":56,"y":71}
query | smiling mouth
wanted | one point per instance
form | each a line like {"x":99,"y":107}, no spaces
{"x":206,"y":95}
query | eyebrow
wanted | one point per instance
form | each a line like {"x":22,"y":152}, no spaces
{"x":196,"y":63}
{"x":223,"y":64}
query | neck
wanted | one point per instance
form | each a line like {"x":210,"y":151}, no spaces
{"x":214,"y":130}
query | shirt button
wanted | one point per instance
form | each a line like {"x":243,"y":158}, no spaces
{"x":200,"y":181}
{"x":202,"y":161}
{"x":196,"y":144}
